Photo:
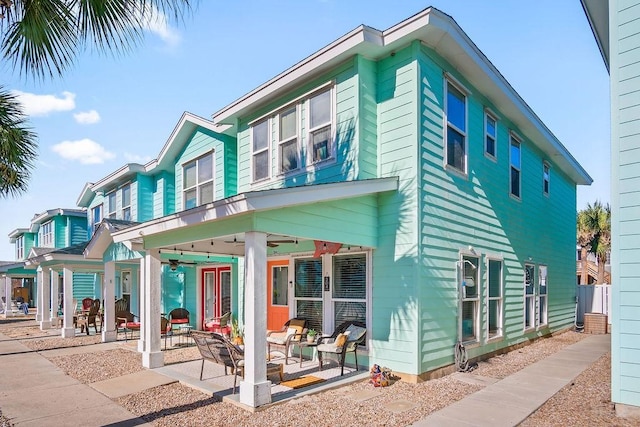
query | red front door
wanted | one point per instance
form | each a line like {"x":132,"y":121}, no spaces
{"x":216,"y":291}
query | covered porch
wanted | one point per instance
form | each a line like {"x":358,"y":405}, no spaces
{"x":246,"y":231}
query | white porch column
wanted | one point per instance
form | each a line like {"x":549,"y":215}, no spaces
{"x":44,"y":297}
{"x":255,"y":390}
{"x":152,"y":356}
{"x":141,"y":293}
{"x":68,"y":330}
{"x":55,"y":279}
{"x":7,"y":297}
{"x":40,"y":300}
{"x":109,"y":332}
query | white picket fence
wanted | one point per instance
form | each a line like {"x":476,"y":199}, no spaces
{"x":593,"y":299}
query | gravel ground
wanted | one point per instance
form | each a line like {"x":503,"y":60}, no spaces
{"x":585,"y":402}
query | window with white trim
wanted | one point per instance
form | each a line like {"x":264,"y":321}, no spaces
{"x":494,"y":298}
{"x":96,"y":216}
{"x":126,"y":203}
{"x":515,"y":165}
{"x":20,"y":247}
{"x":529,"y":296}
{"x":46,"y":235}
{"x":349,"y":291}
{"x":456,"y":133}
{"x":542,"y":295}
{"x":545,"y":178}
{"x":260,"y":137}
{"x":112,"y":204}
{"x":490,"y":134}
{"x":320,"y":127}
{"x":197,"y":182}
{"x":288,"y":152}
{"x":470,"y":298}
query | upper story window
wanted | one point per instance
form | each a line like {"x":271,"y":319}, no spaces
{"x":288,"y":151}
{"x":197,"y":181}
{"x":545,"y":178}
{"x":46,"y":235}
{"x":490,"y":135}
{"x":260,"y":150}
{"x":112,"y":204}
{"x":515,"y":161}
{"x":126,"y":202}
{"x":456,"y":136}
{"x":96,"y":216}
{"x":320,"y":126}
{"x":20,"y":247}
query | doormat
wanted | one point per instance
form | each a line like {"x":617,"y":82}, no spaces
{"x":305,"y":381}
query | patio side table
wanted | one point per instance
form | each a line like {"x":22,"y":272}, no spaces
{"x":313,"y":345}
{"x":185,"y":331}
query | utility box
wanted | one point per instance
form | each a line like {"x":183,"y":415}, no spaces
{"x":595,"y":323}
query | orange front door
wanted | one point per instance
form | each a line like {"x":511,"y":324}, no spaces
{"x":278,"y":297}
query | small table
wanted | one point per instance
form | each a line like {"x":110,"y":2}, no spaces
{"x":185,"y":330}
{"x":304,"y":343}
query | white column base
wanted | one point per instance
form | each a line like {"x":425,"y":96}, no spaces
{"x":68,"y":332}
{"x":109,"y":336}
{"x":153,"y":360}
{"x":45,"y":324}
{"x":255,"y":395}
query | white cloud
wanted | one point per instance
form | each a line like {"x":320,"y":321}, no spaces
{"x":42,"y":105}
{"x":85,"y":151}
{"x":135,"y":158}
{"x":156,"y":23}
{"x":87,"y":117}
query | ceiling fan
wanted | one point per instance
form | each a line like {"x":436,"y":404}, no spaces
{"x":174,"y":263}
{"x":270,"y":243}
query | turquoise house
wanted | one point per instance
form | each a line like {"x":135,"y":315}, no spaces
{"x":393,"y":177}
{"x":49,"y":233}
{"x":615,"y":26}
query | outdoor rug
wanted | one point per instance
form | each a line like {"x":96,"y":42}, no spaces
{"x":307,"y":380}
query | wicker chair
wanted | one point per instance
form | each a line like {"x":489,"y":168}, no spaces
{"x":93,"y":316}
{"x":126,"y":320}
{"x":216,"y":348}
{"x":220,"y":324}
{"x":344,"y":339}
{"x":284,"y":339}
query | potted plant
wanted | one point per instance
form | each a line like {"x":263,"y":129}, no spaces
{"x":311,"y":335}
{"x":237,"y":334}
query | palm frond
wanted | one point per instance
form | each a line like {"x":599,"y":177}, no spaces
{"x":18,"y":147}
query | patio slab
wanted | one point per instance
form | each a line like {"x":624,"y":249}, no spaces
{"x":131,"y":383}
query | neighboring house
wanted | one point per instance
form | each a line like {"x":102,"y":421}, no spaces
{"x":588,"y":267}
{"x":393,"y":177}
{"x":49,"y":230}
{"x":616,"y":28}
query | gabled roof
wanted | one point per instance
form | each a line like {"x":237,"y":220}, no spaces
{"x":17,"y":233}
{"x":440,"y":32}
{"x":70,"y":253}
{"x":101,"y":239}
{"x":183,"y":130}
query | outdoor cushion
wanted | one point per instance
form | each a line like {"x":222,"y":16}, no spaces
{"x":176,"y":321}
{"x":355,"y":332}
{"x":298,"y":324}
{"x":341,"y":339}
{"x":329,"y":348}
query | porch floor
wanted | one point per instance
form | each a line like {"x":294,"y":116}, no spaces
{"x":214,"y":380}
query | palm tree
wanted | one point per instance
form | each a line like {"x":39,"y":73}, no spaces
{"x":17,"y":146}
{"x":594,"y":233}
{"x":42,"y":38}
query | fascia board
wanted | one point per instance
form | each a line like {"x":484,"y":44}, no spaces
{"x":45,"y":216}
{"x":185,"y":127}
{"x":333,"y":53}
{"x":17,"y":233}
{"x":118,"y":175}
{"x":99,"y":243}
{"x":85,"y":195}
{"x":597,"y":12}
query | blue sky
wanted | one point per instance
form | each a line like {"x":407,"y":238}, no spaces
{"x":108,"y":111}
